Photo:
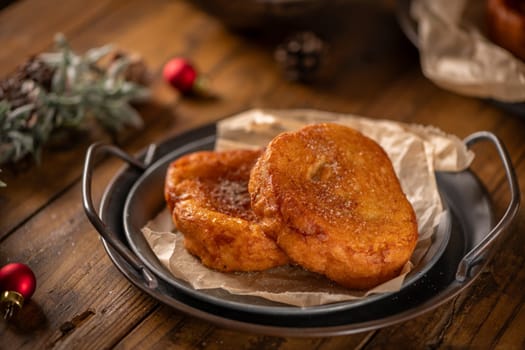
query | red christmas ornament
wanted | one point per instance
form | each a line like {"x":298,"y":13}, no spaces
{"x":181,"y":74}
{"x":17,"y":284}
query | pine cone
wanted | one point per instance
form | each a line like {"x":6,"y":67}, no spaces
{"x":136,"y":71}
{"x":300,"y":56}
{"x":17,"y":88}
{"x":38,"y":71}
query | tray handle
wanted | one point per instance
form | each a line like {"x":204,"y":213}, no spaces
{"x":92,"y":214}
{"x":474,"y":255}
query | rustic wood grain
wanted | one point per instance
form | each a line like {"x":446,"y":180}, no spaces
{"x":173,"y":330}
{"x":23,"y":33}
{"x":75,"y":276}
{"x":82,"y":301}
{"x":31,"y":185}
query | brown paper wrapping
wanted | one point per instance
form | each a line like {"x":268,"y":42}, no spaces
{"x":416,"y":152}
{"x":457,"y":55}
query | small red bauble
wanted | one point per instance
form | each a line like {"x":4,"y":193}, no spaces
{"x":180,"y":74}
{"x":17,"y":284}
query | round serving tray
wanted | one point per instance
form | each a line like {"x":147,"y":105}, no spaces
{"x":471,"y":234}
{"x":146,"y":199}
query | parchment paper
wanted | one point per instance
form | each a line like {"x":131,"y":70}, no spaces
{"x":416,"y":152}
{"x":457,"y":55}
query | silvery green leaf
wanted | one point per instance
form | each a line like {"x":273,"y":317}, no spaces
{"x":129,"y":91}
{"x":117,"y":68}
{"x":71,"y":75}
{"x":46,"y":124}
{"x":23,"y":144}
{"x":130,"y":116}
{"x":121,"y":90}
{"x":60,"y":41}
{"x":40,"y":135}
{"x":79,"y":115}
{"x":75,"y":60}
{"x":138,"y":93}
{"x":109,"y":86}
{"x":94,"y":55}
{"x":106,"y":118}
{"x":58,"y":82}
{"x":73,"y":118}
{"x":21,"y":112}
{"x":46,"y":121}
{"x":52,"y":59}
{"x":61,"y":100}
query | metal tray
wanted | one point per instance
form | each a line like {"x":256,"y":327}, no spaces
{"x":146,"y":198}
{"x":469,"y":239}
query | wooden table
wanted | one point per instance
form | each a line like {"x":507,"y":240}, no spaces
{"x":83,"y":302}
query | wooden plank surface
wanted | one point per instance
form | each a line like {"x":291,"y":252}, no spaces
{"x":34,"y":186}
{"x":83,"y":301}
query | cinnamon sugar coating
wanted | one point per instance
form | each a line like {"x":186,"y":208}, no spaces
{"x":207,"y":194}
{"x":330,"y":198}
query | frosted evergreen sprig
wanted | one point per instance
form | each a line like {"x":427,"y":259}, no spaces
{"x":80,"y":87}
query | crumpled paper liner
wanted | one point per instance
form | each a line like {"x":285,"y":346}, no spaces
{"x":457,"y":55}
{"x":416,"y":152}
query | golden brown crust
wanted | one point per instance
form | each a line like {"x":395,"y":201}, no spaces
{"x":331,"y":199}
{"x":208,"y":196}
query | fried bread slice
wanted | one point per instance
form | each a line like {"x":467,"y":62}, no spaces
{"x":330,"y":198}
{"x":207,"y":194}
